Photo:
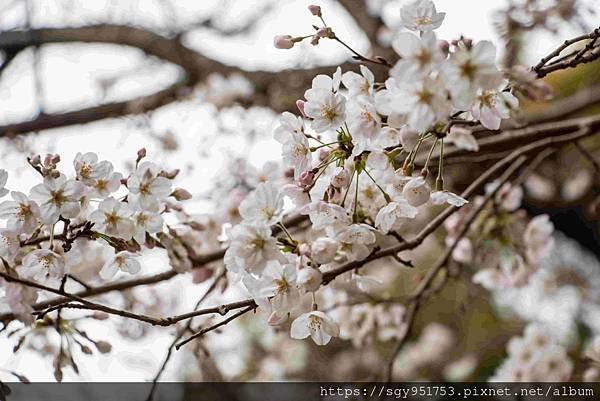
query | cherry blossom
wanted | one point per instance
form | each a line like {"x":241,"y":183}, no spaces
{"x":276,"y":289}
{"x":264,"y":205}
{"x":57,"y":197}
{"x":42,"y":265}
{"x":147,"y":188}
{"x":324,"y":249}
{"x":251,"y":247}
{"x":416,"y":191}
{"x":441,"y":197}
{"x":421,"y":15}
{"x":122,"y":261}
{"x":394,"y":214}
{"x":462,"y":138}
{"x":316,"y":324}
{"x":113,"y":218}
{"x":21,"y":214}
{"x":309,"y":279}
{"x":492,"y":106}
{"x":359,"y":84}
{"x":9,"y":244}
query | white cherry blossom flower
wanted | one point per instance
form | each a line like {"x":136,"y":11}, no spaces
{"x":122,"y":261}
{"x":88,"y":169}
{"x":492,"y":106}
{"x":316,"y":324}
{"x":323,"y":250}
{"x":106,"y":184}
{"x":9,"y":244}
{"x":365,"y":283}
{"x":393,"y":214}
{"x":416,"y":191}
{"x":147,"y":222}
{"x":364,"y":124}
{"x":323,"y":104}
{"x":276,"y":289}
{"x":251,"y":247}
{"x":42,"y":265}
{"x":113,"y":218}
{"x":57,"y":197}
{"x":3,"y":179}
{"x":289,"y":124}
{"x":297,"y":194}
{"x":19,"y":299}
{"x":264,"y":205}
{"x":309,"y":279}
{"x":146,"y":188}
{"x":538,"y":238}
{"x":419,"y":55}
{"x":470,"y":69}
{"x":441,"y":197}
{"x":323,"y":214}
{"x":421,"y":15}
{"x":327,"y":109}
{"x":296,"y":153}
{"x":359,"y":84}
{"x":355,"y":240}
{"x":421,"y":100}
{"x":21,"y":213}
{"x":462,"y":138}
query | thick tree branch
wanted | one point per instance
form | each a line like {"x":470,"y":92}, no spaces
{"x":278,"y":90}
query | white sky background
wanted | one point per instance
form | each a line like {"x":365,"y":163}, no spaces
{"x":71,"y":76}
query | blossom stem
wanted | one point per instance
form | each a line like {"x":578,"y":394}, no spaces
{"x":312,"y":149}
{"x":355,"y":199}
{"x":359,"y":56}
{"x":439,"y":182}
{"x":429,"y":155}
{"x":385,"y":195}
{"x":285,"y":230}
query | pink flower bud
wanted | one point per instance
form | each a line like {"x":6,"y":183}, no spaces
{"x":324,"y":154}
{"x":315,"y":10}
{"x":306,"y":179}
{"x":323,"y":32}
{"x":141,"y":153}
{"x":444,"y":46}
{"x":300,"y":105}
{"x":283,"y":42}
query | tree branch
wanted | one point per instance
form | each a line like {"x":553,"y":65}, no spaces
{"x":278,"y":90}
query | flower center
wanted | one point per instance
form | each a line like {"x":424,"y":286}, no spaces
{"x":23,"y":212}
{"x":281,"y":286}
{"x":314,"y":323}
{"x":423,"y":20}
{"x":268,"y":212}
{"x":488,"y":99}
{"x":86,"y":170}
{"x":58,"y":198}
{"x":257,"y":243}
{"x":328,"y":112}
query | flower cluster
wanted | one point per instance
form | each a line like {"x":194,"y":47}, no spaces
{"x":352,"y":151}
{"x":44,"y":230}
{"x":534,"y":357}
